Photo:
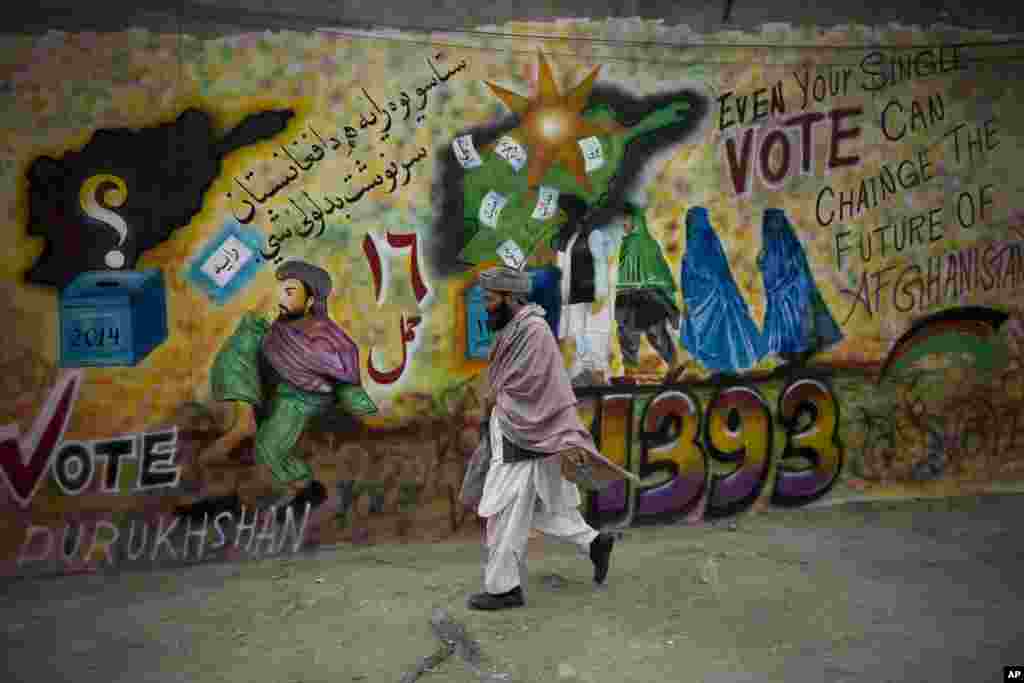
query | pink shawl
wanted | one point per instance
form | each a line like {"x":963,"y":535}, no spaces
{"x":535,"y":400}
{"x":313,"y":355}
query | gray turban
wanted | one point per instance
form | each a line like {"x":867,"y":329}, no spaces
{"x":317,"y":281}
{"x":506,"y":280}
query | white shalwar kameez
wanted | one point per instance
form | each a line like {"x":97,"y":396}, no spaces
{"x":523,"y":495}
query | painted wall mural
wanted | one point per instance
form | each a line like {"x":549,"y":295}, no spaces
{"x":783,"y":268}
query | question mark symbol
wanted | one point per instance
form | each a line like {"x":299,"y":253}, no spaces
{"x":100,"y":193}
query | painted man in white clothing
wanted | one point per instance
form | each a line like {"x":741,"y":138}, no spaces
{"x":586,"y":293}
{"x":645,"y":299}
{"x":533,"y":428}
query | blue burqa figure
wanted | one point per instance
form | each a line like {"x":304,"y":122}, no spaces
{"x":717,"y":328}
{"x":797,"y":320}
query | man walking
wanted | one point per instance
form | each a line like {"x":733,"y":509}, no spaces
{"x":533,"y":425}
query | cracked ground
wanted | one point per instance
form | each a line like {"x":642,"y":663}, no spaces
{"x":923,"y":591}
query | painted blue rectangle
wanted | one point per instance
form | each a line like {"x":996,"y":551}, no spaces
{"x":214,"y":261}
{"x":478,"y":336}
{"x":546,"y":290}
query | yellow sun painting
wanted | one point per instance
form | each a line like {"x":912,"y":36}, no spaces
{"x":550,"y":124}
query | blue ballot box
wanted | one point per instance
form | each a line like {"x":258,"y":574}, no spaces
{"x":546,"y":291}
{"x":112,"y":318}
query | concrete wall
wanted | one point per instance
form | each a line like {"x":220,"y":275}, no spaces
{"x":228,"y":16}
{"x":845,"y":321}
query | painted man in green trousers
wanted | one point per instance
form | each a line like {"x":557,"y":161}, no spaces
{"x":276,"y":377}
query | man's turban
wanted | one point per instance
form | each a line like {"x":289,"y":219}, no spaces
{"x":506,"y":280}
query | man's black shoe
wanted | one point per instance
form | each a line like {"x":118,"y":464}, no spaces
{"x":600,"y":554}
{"x":514,"y":598}
{"x":210,"y":506}
{"x":314,"y":494}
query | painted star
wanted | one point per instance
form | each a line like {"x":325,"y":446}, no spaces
{"x":551,"y":124}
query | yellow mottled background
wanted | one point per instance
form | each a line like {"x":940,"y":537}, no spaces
{"x":62,"y":88}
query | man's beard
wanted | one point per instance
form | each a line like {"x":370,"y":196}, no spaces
{"x":289,"y":316}
{"x":501,"y":317}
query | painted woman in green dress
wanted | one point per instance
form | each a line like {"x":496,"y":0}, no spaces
{"x":645,"y":298}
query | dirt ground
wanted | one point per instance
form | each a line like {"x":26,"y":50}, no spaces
{"x":919,"y":591}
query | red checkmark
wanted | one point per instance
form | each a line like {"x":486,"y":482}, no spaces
{"x":24,"y":460}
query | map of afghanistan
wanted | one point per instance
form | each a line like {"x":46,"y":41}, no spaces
{"x":648,"y":126}
{"x":127,"y":190}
